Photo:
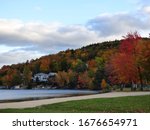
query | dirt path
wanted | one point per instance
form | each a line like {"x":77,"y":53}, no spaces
{"x":34,"y":103}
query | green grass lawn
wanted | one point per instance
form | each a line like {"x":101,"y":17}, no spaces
{"x":116,"y":105}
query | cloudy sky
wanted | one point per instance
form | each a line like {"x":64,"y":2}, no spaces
{"x":32,"y":28}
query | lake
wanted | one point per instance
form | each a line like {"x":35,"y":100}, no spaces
{"x":10,"y":95}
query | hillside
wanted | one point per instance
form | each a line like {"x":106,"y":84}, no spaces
{"x":85,"y":53}
{"x":83,"y":68}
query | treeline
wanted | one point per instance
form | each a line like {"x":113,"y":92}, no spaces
{"x":97,"y":66}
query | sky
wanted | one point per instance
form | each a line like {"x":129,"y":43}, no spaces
{"x":33,"y":28}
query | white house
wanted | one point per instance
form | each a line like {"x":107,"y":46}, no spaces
{"x":42,"y":77}
{"x":52,"y":74}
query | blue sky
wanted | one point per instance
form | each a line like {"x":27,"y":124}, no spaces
{"x":65,"y":11}
{"x":32,"y":28}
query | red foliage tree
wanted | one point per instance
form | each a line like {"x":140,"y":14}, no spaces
{"x":124,"y":64}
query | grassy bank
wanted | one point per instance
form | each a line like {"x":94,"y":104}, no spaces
{"x":119,"y":104}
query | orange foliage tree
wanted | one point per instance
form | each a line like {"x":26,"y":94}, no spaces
{"x":12,"y":78}
{"x":103,"y":84}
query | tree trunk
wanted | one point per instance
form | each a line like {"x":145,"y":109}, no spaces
{"x":141,"y":78}
{"x":121,"y":87}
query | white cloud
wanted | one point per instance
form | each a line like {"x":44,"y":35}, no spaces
{"x":13,"y":57}
{"x":39,"y":37}
{"x":146,"y":9}
{"x":45,"y":36}
{"x":32,"y":39}
{"x":118,"y":24}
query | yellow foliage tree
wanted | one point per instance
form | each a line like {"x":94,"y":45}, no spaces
{"x":103,"y":84}
{"x":62,"y":78}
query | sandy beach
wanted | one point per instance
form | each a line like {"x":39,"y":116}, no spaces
{"x":35,"y":103}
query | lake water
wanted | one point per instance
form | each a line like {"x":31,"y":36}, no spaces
{"x":6,"y":95}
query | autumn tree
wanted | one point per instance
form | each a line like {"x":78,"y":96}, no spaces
{"x":27,"y":75}
{"x":73,"y":79}
{"x":103,"y":84}
{"x":99,"y":75}
{"x":17,"y":78}
{"x":45,"y":65}
{"x":100,"y":63}
{"x":79,"y":66}
{"x":100,"y":72}
{"x":62,"y":79}
{"x":12,"y":78}
{"x":143,"y":59}
{"x":64,"y":65}
{"x":129,"y":47}
{"x":35,"y":67}
{"x":125,"y":68}
{"x":84,"y":81}
{"x":108,"y":54}
{"x":92,"y":65}
{"x":67,"y":79}
{"x":124,"y":63}
{"x":55,"y":66}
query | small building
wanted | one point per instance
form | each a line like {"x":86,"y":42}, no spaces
{"x":42,"y":77}
{"x":17,"y":87}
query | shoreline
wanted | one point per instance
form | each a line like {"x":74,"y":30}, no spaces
{"x":42,"y":98}
{"x":36,"y":103}
{"x":29,"y":95}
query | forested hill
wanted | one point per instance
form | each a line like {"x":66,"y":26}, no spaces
{"x":54,"y":62}
{"x":96,"y":66}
